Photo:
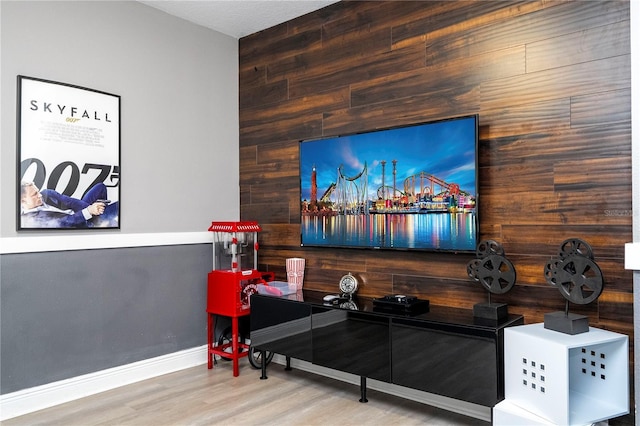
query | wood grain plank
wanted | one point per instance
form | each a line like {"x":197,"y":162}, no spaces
{"x":526,"y":119}
{"x":345,"y":15}
{"x":446,"y":18}
{"x":258,"y":53}
{"x":284,"y":188}
{"x":259,"y":174}
{"x":557,"y":145}
{"x":556,"y":20}
{"x":571,"y":209}
{"x":581,"y":46}
{"x":533,"y":176}
{"x":295,"y":127}
{"x":337,"y":54}
{"x":265,"y":212}
{"x":376,"y":15}
{"x":598,"y":174}
{"x":505,"y":63}
{"x":252,"y":77}
{"x":447,"y":102}
{"x":604,"y":108}
{"x":606,"y":241}
{"x":387,"y":62}
{"x":316,"y":103}
{"x":259,"y":41}
{"x":286,"y":152}
{"x":266,"y":94}
{"x":277,"y":236}
{"x":575,"y":80}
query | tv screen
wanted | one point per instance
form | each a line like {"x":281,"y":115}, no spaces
{"x":406,"y":188}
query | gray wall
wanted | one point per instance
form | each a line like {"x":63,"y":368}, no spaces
{"x":178,"y":84}
{"x":65,"y":314}
{"x":68,"y":313}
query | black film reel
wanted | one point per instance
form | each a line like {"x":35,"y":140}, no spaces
{"x":579,"y":279}
{"x":497,"y":274}
{"x":551,"y":271}
{"x":488,"y":247}
{"x":575,"y":273}
{"x":491,"y":268}
{"x":472,"y":269}
{"x":577,"y":246}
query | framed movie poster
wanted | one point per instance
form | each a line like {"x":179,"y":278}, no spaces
{"x":68,"y":156}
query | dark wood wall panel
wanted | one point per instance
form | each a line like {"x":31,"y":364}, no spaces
{"x":550,"y":81}
{"x":603,"y":42}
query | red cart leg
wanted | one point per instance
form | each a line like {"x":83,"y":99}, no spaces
{"x":210,"y":326}
{"x":234,"y":345}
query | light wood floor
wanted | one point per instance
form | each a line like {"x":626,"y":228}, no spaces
{"x":198,"y":396}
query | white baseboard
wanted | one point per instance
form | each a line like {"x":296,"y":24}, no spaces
{"x":37,"y":398}
{"x":449,"y":404}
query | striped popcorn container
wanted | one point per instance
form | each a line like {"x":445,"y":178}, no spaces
{"x":295,"y":272}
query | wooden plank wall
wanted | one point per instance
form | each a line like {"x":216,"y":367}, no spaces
{"x":550,"y":81}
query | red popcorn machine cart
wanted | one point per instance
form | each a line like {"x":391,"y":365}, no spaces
{"x":231,"y":283}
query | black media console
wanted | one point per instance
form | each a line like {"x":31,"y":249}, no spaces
{"x":445,"y":351}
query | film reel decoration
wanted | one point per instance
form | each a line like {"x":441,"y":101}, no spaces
{"x":488,"y":247}
{"x":491,"y":268}
{"x":574,"y":272}
{"x":575,"y":246}
{"x":579,"y":279}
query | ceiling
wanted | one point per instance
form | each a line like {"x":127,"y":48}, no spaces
{"x":238,"y":18}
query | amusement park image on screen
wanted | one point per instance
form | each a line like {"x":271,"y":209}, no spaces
{"x":406,"y":188}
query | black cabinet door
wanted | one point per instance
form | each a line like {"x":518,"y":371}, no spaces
{"x":281,"y":326}
{"x":351,"y":341}
{"x":460,"y":366}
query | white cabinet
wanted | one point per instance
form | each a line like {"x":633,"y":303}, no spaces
{"x":564,"y":379}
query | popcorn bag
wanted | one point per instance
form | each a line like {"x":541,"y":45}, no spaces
{"x":295,"y":272}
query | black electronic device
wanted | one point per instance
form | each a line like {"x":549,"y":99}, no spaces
{"x":399,"y":298}
{"x":401,"y":304}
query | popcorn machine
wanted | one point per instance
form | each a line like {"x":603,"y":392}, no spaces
{"x":231,"y":283}
{"x":235,"y":245}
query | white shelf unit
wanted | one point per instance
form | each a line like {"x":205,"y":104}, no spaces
{"x":566,"y":379}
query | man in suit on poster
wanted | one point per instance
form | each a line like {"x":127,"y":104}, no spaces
{"x":50,"y":209}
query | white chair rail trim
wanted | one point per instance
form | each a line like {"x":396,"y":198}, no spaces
{"x":60,"y":242}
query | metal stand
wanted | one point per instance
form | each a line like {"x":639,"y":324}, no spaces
{"x":566,"y":322}
{"x":263,"y":365}
{"x":363,"y":389}
{"x":238,"y":350}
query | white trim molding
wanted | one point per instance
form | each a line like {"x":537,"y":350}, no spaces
{"x":57,"y":242}
{"x":632,"y":256}
{"x":40,"y":397}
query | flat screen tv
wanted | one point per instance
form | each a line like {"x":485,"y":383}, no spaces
{"x":407,"y":188}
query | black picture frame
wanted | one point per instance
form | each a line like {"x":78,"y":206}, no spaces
{"x":68,"y":157}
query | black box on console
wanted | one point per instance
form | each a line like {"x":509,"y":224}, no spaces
{"x":403,"y":305}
